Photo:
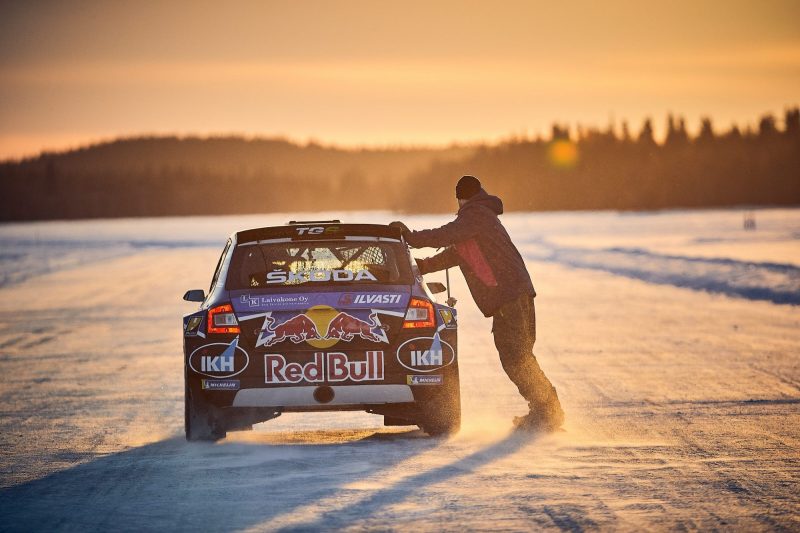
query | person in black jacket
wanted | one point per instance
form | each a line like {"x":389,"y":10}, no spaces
{"x":496,"y":275}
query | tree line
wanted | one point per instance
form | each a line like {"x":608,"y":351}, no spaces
{"x":587,"y":168}
{"x":610,"y":169}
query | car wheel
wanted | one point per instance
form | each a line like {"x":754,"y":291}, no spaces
{"x":200,"y":423}
{"x":441,"y":413}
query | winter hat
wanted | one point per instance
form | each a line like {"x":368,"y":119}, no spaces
{"x":467,"y":187}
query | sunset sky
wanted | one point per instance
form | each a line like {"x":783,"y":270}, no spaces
{"x":377,"y":72}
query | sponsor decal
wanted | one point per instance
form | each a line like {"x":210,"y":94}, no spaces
{"x":246,"y":302}
{"x":325,"y":366}
{"x":370,"y":298}
{"x":304,"y":276}
{"x":448,"y":317}
{"x":425,"y":354}
{"x":275,"y":300}
{"x":323,"y":326}
{"x":219,"y":360}
{"x":297,"y":329}
{"x":346,"y":327}
{"x":428,"y":379}
{"x":192,"y":324}
{"x":317,"y":230}
{"x":220,"y":384}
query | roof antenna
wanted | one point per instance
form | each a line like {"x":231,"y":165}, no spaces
{"x":451,"y":302}
{"x":299,"y":222}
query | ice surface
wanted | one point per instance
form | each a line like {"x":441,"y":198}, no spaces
{"x":705,"y":250}
{"x":678,"y":371}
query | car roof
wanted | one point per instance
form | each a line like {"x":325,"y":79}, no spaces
{"x":319,"y":231}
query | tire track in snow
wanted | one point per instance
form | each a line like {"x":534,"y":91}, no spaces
{"x":773,"y":282}
{"x":22,"y":259}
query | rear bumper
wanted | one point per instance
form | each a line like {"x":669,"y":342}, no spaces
{"x":343,"y":396}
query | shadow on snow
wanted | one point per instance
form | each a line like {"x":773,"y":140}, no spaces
{"x":173,"y":484}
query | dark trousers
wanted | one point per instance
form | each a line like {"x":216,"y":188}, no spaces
{"x":514,"y":329}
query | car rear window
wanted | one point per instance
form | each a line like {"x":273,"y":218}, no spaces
{"x":318,"y":263}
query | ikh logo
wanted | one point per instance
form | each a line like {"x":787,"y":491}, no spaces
{"x":219,"y":360}
{"x":217,"y":363}
{"x":331,"y":366}
{"x":432,"y":357}
{"x":425,"y":354}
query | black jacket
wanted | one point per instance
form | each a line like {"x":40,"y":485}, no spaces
{"x":478,"y":243}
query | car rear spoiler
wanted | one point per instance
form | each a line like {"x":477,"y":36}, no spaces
{"x":316,"y":231}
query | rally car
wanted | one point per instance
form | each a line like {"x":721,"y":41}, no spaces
{"x":319,"y":316}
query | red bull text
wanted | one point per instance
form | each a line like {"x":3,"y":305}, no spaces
{"x":324,"y":367}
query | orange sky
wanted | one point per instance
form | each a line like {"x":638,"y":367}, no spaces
{"x":380,"y":72}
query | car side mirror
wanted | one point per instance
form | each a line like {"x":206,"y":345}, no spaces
{"x":195,"y":295}
{"x":436,"y":287}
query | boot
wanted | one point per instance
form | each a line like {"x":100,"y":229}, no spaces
{"x":550,"y":418}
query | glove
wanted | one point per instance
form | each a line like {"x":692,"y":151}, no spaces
{"x":399,"y":225}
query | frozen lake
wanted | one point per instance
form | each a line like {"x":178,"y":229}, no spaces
{"x":673,"y":339}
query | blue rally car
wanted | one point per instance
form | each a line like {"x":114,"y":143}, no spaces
{"x":319,"y":316}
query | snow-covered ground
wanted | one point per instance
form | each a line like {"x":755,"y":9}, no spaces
{"x":673,"y":339}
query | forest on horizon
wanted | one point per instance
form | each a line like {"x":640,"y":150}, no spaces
{"x":584,"y":168}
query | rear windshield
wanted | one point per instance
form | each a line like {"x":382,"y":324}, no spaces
{"x":318,"y":263}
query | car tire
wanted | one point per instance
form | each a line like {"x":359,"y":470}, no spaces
{"x":200,"y":422}
{"x":441,"y":413}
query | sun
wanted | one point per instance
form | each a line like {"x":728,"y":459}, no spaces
{"x":563,"y":153}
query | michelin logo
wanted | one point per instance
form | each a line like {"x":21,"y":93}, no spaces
{"x":220,"y":384}
{"x":424,"y":380}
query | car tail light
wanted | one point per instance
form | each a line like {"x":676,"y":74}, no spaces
{"x":222,"y":320}
{"x":419,"y":314}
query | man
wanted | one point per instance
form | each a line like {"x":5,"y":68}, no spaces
{"x":496,"y":275}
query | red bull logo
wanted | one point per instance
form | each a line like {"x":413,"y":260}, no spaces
{"x":345,"y":327}
{"x":297,"y":329}
{"x":330,"y":367}
{"x":307,"y":327}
